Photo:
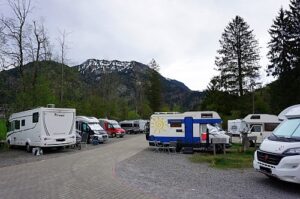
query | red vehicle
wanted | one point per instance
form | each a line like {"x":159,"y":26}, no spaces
{"x":112,"y":128}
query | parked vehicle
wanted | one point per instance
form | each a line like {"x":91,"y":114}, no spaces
{"x":279,"y":155}
{"x":141,"y":125}
{"x":261,"y":125}
{"x":188,"y":129}
{"x":235,"y":127}
{"x":112,"y":128}
{"x":89,"y":128}
{"x":42,"y":127}
{"x":130,"y":126}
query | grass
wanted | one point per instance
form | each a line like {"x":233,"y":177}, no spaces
{"x":234,"y":158}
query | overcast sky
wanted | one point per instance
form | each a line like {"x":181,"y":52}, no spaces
{"x":181,"y":35}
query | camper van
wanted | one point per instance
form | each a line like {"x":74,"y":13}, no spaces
{"x":42,"y":127}
{"x":112,"y":128}
{"x":89,"y":129}
{"x":130,"y":126}
{"x":261,"y":125}
{"x":279,"y":155}
{"x":188,"y":129}
{"x":235,"y":127}
{"x":142,"y":125}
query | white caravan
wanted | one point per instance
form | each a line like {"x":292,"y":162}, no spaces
{"x":261,"y":125}
{"x":235,"y":127}
{"x":89,"y":128}
{"x":188,"y":129}
{"x":279,"y":155}
{"x":42,"y":127}
{"x":142,"y":125}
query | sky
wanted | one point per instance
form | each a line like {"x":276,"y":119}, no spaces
{"x":181,"y":35}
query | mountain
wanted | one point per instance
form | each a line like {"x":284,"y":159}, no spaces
{"x":131,"y":75}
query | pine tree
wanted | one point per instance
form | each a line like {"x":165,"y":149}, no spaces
{"x":294,"y":28}
{"x":154,"y":91}
{"x":280,"y":51}
{"x":238,"y":57}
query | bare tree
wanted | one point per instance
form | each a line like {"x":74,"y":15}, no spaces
{"x":15,"y":32}
{"x":63,"y":50}
{"x":2,"y":43}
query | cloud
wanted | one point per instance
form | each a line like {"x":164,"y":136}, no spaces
{"x":181,"y":35}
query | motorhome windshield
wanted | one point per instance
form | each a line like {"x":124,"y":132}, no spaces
{"x":288,"y":129}
{"x":95,"y":126}
{"x":115,"y":125}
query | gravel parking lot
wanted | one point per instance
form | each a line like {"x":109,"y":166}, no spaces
{"x":20,"y":156}
{"x":174,"y":176}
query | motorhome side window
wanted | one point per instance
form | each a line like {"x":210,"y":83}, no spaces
{"x":17,"y":124}
{"x":84,"y":127}
{"x":35,"y":117}
{"x":175,"y":124}
{"x":206,"y":115}
{"x":256,"y":128}
{"x":23,"y":123}
{"x":270,"y":126}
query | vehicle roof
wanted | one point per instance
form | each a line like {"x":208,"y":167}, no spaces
{"x":194,"y":114}
{"x":263,"y":118}
{"x":87,"y":119}
{"x":293,"y":113}
{"x":282,"y":115}
{"x":38,"y":109}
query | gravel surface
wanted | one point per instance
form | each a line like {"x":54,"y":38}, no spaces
{"x":174,"y":176}
{"x":19,"y":155}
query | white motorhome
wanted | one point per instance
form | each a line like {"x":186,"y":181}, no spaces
{"x":42,"y":127}
{"x":130,"y":126}
{"x":142,"y":125}
{"x":188,"y":129}
{"x":279,"y":155}
{"x":89,"y":128}
{"x":261,"y":125}
{"x":235,"y":127}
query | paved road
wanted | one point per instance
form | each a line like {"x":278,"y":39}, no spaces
{"x":89,"y":174}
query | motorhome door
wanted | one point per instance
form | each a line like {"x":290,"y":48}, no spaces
{"x":188,"y":124}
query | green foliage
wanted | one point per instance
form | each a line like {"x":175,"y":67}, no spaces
{"x":237,"y":59}
{"x":132,"y":115}
{"x":3,"y":129}
{"x":233,"y":159}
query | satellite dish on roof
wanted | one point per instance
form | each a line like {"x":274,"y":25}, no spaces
{"x":282,"y":115}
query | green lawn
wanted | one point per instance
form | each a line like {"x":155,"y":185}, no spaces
{"x":2,"y":129}
{"x":233,"y":158}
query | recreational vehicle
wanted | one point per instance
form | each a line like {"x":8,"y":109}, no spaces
{"x":188,"y":129}
{"x":130,"y":126}
{"x":112,"y":128}
{"x":235,"y":127}
{"x":279,"y":155}
{"x":261,"y":125}
{"x":42,"y":127}
{"x":142,"y":125}
{"x":89,"y":128}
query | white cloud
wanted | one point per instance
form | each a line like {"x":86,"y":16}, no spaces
{"x":181,"y":35}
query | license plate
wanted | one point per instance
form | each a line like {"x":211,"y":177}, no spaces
{"x":265,"y":170}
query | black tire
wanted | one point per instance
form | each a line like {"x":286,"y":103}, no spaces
{"x":79,"y":146}
{"x":28,"y":148}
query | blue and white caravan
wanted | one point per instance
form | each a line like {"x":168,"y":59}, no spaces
{"x":187,"y":129}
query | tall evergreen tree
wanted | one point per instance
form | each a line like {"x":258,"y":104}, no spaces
{"x":280,"y":49}
{"x":294,"y":28}
{"x":238,"y":57}
{"x":154,"y":91}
